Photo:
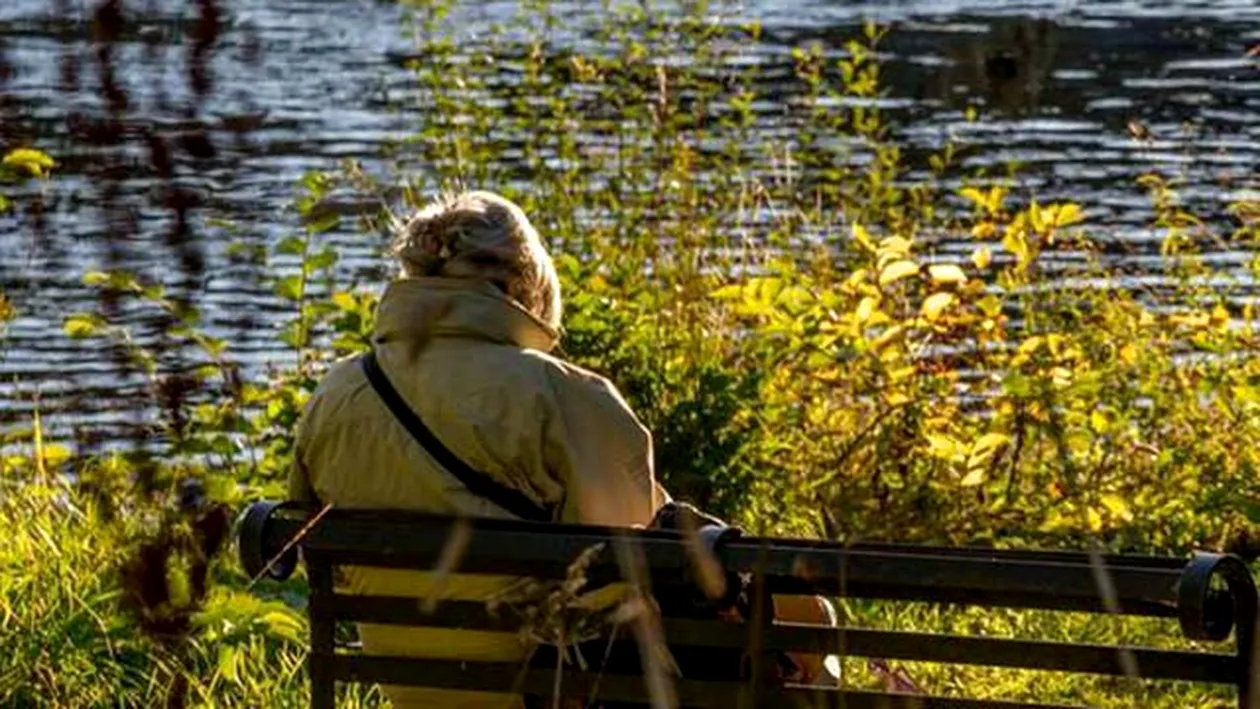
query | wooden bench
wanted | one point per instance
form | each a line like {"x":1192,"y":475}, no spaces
{"x":1211,"y":596}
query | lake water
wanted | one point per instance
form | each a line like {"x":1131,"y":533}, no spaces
{"x":295,"y":85}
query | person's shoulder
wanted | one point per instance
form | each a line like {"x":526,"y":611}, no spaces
{"x":347,"y":370}
{"x":561,"y":373}
{"x":341,"y":378}
{"x":581,"y":390}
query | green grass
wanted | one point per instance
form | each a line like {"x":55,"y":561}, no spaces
{"x":68,"y":641}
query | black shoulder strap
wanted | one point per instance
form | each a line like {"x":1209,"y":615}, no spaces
{"x":478,"y":483}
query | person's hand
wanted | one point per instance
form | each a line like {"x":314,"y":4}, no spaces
{"x":815,"y":610}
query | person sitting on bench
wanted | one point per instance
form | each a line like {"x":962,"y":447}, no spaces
{"x":460,"y":409}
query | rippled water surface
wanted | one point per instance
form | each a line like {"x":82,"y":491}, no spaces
{"x":295,"y":85}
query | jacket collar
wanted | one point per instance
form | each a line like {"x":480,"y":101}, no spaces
{"x":417,"y":309}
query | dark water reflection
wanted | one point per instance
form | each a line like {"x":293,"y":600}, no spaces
{"x":167,"y":115}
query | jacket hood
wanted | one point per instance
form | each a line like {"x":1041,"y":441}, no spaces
{"x":417,"y":309}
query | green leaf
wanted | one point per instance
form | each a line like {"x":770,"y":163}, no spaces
{"x":316,"y":183}
{"x":4,"y":204}
{"x":81,"y":325}
{"x":229,"y":660}
{"x":320,"y":223}
{"x":290,"y":288}
{"x":294,"y":335}
{"x":95,"y":278}
{"x":326,"y":258}
{"x":291,"y":245}
{"x":34,"y":162}
{"x":284,"y":624}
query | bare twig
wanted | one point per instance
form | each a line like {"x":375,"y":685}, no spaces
{"x":301,"y":534}
{"x":452,"y":551}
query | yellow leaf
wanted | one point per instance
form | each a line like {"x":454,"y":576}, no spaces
{"x":946,"y":273}
{"x":1098,"y":421}
{"x":343,"y":300}
{"x":1220,"y":317}
{"x":857,"y":278}
{"x":936,"y":304}
{"x":973,"y":195}
{"x":894,"y":246}
{"x":898,"y":270}
{"x":993,"y":200}
{"x":982,"y":257}
{"x":55,"y":454}
{"x":975,"y":476}
{"x":1031,"y":345}
{"x":728,"y":292}
{"x":1093,"y":519}
{"x":81,"y":325}
{"x":1037,"y":217}
{"x":990,"y":200}
{"x":32,"y":161}
{"x":988,"y":444}
{"x":1066,"y":214}
{"x":984,"y":230}
{"x":990,"y":305}
{"x":1014,"y":243}
{"x":944,"y":447}
{"x":898,"y":375}
{"x":1061,"y":376}
{"x":896,"y":398}
{"x":887,"y":338}
{"x":861,"y":236}
{"x":1117,"y":506}
{"x":865,"y":309}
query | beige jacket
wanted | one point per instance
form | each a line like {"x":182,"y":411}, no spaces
{"x":475,"y":366}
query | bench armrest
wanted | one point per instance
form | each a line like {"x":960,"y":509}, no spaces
{"x":258,"y":555}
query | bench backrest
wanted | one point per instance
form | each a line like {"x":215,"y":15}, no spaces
{"x":1211,"y":596}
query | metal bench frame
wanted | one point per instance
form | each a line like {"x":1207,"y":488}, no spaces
{"x":1211,"y":595}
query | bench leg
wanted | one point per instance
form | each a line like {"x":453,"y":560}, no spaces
{"x":319,"y":661}
{"x":761,"y":662}
{"x":1248,"y":641}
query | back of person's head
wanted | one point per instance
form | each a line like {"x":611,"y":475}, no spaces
{"x":481,"y":235}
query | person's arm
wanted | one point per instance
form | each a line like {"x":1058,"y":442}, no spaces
{"x":600,"y":453}
{"x":300,"y":487}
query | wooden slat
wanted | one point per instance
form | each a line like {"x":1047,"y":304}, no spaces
{"x":862,"y":642}
{"x":504,"y":677}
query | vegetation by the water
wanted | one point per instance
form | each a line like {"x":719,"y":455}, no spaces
{"x":779,"y":310}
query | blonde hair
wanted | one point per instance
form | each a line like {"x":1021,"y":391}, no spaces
{"x":485,"y":236}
